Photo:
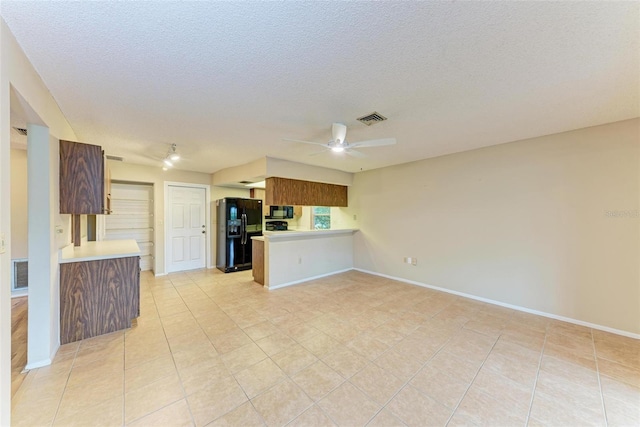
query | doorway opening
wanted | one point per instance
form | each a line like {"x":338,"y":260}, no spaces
{"x":131,"y":217}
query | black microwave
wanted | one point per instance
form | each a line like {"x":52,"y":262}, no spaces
{"x":280,"y":212}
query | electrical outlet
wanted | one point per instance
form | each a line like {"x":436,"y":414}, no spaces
{"x":3,"y":246}
{"x":410,"y":260}
{"x":355,"y":217}
{"x":299,"y":260}
{"x":414,"y":261}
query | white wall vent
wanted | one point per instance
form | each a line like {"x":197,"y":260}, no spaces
{"x":372,"y":118}
{"x":115,"y":158}
{"x":19,"y":274}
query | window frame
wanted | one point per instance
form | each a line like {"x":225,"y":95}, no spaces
{"x":314,"y":215}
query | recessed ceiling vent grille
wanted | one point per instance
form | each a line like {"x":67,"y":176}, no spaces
{"x":116,"y":158}
{"x":21,"y":131}
{"x":245,"y":182}
{"x":372,"y":118}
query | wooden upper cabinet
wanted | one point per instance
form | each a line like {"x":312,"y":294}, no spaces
{"x":284,"y":191}
{"x":82,"y":178}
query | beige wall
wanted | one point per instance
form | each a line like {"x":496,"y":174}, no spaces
{"x":19,"y":229}
{"x":523,"y":223}
{"x":122,"y":171}
{"x":17,"y":75}
{"x":252,"y":171}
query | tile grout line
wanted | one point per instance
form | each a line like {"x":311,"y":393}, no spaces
{"x":595,"y":356}
{"x":410,"y":378}
{"x":439,"y":349}
{"x":184,"y":393}
{"x":66,"y":383}
{"x":231,"y":373}
{"x":535,"y":382}
{"x":472,"y":380}
{"x":174,"y":364}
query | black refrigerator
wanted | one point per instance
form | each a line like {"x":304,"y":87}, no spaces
{"x":238,"y":221}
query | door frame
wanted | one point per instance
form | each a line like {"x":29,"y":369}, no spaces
{"x":207,"y":228}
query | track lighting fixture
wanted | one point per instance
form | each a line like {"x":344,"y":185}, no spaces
{"x":172,"y":156}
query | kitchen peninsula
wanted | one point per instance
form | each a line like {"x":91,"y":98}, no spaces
{"x":99,"y":288}
{"x":290,"y":257}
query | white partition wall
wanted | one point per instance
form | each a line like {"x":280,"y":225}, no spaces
{"x":42,"y":327}
{"x":294,"y":257}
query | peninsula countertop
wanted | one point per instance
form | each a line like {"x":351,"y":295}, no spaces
{"x":105,"y":249}
{"x":304,"y":234}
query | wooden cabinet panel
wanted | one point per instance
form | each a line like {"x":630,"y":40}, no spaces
{"x":82,"y":178}
{"x":257,"y":260}
{"x":98,"y":297}
{"x":284,"y":191}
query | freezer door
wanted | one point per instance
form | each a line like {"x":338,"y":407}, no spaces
{"x":253,"y":209}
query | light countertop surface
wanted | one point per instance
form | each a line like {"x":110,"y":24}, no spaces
{"x":297,"y":234}
{"x":105,"y":249}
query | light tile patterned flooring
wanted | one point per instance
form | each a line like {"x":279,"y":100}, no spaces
{"x":350,"y":350}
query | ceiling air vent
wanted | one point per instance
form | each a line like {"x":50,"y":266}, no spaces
{"x":115,"y":158}
{"x":372,"y":118}
{"x":21,"y":131}
{"x":245,"y":182}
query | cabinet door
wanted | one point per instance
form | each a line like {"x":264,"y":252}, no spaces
{"x":98,"y":297}
{"x":81,"y":178}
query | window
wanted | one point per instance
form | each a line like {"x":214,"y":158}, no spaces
{"x":321,"y":217}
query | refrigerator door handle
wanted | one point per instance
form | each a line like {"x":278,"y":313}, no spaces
{"x":244,"y":229}
{"x":246,"y":224}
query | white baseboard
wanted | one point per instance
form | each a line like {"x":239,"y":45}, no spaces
{"x":295,"y":282}
{"x":20,"y":293}
{"x":38,"y":364}
{"x":511,"y":306}
{"x":158,"y":274}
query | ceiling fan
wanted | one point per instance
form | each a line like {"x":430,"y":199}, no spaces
{"x":339,"y":143}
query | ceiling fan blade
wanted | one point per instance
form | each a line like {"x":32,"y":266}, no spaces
{"x":318,"y":152}
{"x":374,"y":142}
{"x":304,"y":142}
{"x":354,"y":153}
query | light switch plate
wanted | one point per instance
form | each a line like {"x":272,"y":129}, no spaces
{"x":3,"y":246}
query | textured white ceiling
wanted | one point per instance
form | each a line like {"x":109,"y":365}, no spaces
{"x":227,"y":80}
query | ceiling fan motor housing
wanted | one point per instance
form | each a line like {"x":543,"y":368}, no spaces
{"x":339,"y":133}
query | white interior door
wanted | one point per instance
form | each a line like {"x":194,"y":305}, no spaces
{"x":186,"y":248}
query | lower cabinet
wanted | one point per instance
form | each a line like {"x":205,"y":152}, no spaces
{"x":257,"y":260}
{"x":98,"y":297}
